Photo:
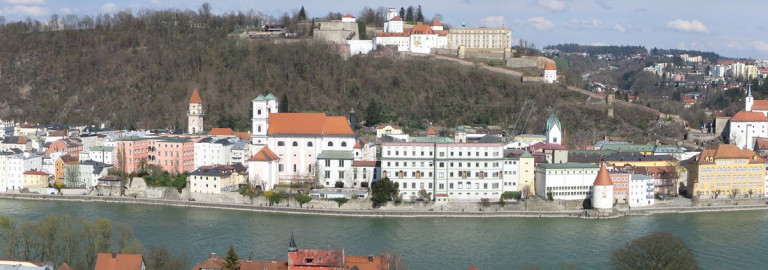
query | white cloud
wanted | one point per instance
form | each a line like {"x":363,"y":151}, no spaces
{"x":552,"y":5}
{"x":539,"y":23}
{"x":604,"y":4}
{"x":24,"y":10}
{"x":25,"y":2}
{"x":595,"y":24}
{"x":760,"y":46}
{"x":734,"y":45}
{"x":688,"y":26}
{"x":67,"y":10}
{"x":493,"y":21}
{"x":108,"y":7}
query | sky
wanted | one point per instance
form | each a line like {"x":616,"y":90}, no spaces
{"x":730,"y":28}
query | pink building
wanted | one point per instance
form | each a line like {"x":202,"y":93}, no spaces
{"x":620,"y":186}
{"x":134,"y":151}
{"x":173,"y":154}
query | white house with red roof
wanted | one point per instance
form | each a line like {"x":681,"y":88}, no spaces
{"x":387,"y":129}
{"x":263,"y":169}
{"x":298,"y":138}
{"x":420,"y":38}
{"x":550,"y":72}
{"x":744,"y":127}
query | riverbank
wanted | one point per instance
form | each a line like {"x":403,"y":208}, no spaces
{"x":476,"y":212}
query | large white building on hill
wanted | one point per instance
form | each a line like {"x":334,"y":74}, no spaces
{"x":420,"y":38}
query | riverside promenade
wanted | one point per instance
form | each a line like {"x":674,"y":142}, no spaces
{"x":404,"y":212}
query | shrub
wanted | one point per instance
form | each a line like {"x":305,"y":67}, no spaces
{"x":341,"y":201}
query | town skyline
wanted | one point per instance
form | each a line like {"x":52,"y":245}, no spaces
{"x":651,"y":24}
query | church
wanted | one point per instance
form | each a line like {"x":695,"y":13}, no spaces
{"x":291,"y":142}
{"x":745,"y":126}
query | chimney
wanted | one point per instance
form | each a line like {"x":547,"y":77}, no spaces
{"x":114,"y":255}
{"x":370,"y":258}
{"x":212,"y":255}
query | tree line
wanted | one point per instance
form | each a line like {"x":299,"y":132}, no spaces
{"x":617,"y":51}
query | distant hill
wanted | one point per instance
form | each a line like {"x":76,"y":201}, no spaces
{"x":139,"y":72}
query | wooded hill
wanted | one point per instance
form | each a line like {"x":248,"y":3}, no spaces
{"x":139,"y":71}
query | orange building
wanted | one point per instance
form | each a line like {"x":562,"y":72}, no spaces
{"x":61,"y":167}
{"x":173,"y":154}
{"x":620,"y":186}
{"x":72,"y":146}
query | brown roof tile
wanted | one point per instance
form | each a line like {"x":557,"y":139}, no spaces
{"x":195,"y":97}
{"x":265,"y":154}
{"x":603,"y":177}
{"x":749,"y":117}
{"x":118,"y":261}
{"x":308,"y":124}
{"x":221,"y":132}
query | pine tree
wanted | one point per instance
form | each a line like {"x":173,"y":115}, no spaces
{"x":409,"y":14}
{"x":402,"y":13}
{"x":302,"y":14}
{"x":232,"y":262}
{"x":284,"y":104}
{"x":419,"y":15}
{"x":372,"y":113}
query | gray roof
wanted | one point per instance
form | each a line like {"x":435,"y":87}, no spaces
{"x":336,"y":154}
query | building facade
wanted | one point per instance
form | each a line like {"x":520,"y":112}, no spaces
{"x":480,"y":38}
{"x":726,"y":171}
{"x":565,"y":181}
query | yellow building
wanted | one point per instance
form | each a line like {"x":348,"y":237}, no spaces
{"x":527,"y":174}
{"x":726,"y":171}
{"x":35,"y":179}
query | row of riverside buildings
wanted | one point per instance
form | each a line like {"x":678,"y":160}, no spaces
{"x":461,"y":164}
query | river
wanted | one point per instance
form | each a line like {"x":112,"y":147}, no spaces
{"x":732,"y":240}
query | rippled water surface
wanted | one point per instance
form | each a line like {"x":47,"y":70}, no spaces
{"x":732,"y":240}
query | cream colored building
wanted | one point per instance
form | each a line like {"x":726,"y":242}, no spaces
{"x":480,"y":38}
{"x":208,"y":179}
{"x":36,"y":179}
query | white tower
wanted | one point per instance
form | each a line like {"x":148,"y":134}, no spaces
{"x":391,"y":13}
{"x":195,"y":114}
{"x":749,"y":100}
{"x":550,"y":72}
{"x":554,"y":130}
{"x":602,"y":190}
{"x":262,"y":107}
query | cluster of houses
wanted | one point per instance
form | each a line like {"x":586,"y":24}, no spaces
{"x":464,"y":164}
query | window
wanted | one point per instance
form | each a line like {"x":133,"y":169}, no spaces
{"x":330,"y":144}
{"x":327,"y":174}
{"x":341,"y":175}
{"x":295,"y":143}
{"x":309,"y":144}
{"x":280,"y":143}
{"x":341,"y":163}
{"x":280,"y":167}
{"x":327,"y":163}
{"x":294,"y":167}
{"x":258,"y":128}
{"x":343,"y":144}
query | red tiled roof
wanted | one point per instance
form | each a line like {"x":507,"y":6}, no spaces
{"x":396,"y":18}
{"x":728,"y":151}
{"x":762,"y":143}
{"x":422,"y":29}
{"x":358,"y":145}
{"x":330,"y":257}
{"x":265,"y":154}
{"x":436,"y":22}
{"x":603,"y":177}
{"x":550,"y":66}
{"x":64,"y":266}
{"x":35,"y":173}
{"x":749,"y":117}
{"x":195,"y":98}
{"x":216,"y":262}
{"x":431,"y":131}
{"x":243,"y":135}
{"x":119,"y":261}
{"x":348,"y":16}
{"x":365,"y":262}
{"x":364,"y":163}
{"x":385,"y":125}
{"x":761,"y":105}
{"x":393,"y":34}
{"x":548,"y":146}
{"x":221,"y":132}
{"x":308,"y":124}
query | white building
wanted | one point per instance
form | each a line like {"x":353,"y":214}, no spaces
{"x":387,"y":129}
{"x":641,"y":190}
{"x":212,"y":151}
{"x":298,"y":138}
{"x":479,"y":38}
{"x":745,"y":126}
{"x":457,"y":171}
{"x":602,"y":190}
{"x":554,"y":130}
{"x":213,"y":180}
{"x":550,"y":72}
{"x":336,"y":166}
{"x":566,"y":181}
{"x":195,"y":114}
{"x":85,"y":174}
{"x":263,"y":169}
{"x":103,"y":154}
{"x":349,"y":18}
{"x":420,"y":38}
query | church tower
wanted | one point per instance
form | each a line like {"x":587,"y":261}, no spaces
{"x":262,"y":107}
{"x":195,"y":114}
{"x":602,"y":190}
{"x":554,"y":130}
{"x":749,"y":100}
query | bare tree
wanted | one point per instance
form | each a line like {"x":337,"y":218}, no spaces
{"x":394,"y":259}
{"x":658,"y":250}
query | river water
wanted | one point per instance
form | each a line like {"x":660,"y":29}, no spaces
{"x":730,"y":240}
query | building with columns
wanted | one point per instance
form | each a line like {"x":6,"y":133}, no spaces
{"x":195,"y":114}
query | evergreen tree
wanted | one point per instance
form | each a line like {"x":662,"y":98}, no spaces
{"x":302,"y":14}
{"x":409,"y":14}
{"x":383,"y":191}
{"x":284,"y":104}
{"x":402,"y":13}
{"x":419,"y":15}
{"x":372,"y":113}
{"x":232,"y":262}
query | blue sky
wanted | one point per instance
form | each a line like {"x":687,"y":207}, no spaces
{"x":731,"y":28}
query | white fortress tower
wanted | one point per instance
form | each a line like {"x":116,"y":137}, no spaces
{"x":394,"y":23}
{"x":550,"y":72}
{"x":262,"y":107}
{"x":554,"y":130}
{"x":602,"y":190}
{"x":195,"y":114}
{"x":749,"y":100}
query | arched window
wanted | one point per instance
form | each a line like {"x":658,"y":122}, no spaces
{"x":330,"y":144}
{"x":258,"y":111}
{"x":343,"y":144}
{"x":309,"y":144}
{"x":281,"y":143}
{"x":269,"y":110}
{"x":258,"y":128}
{"x":295,"y":143}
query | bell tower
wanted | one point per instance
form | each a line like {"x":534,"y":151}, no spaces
{"x":262,"y":107}
{"x":195,"y":114}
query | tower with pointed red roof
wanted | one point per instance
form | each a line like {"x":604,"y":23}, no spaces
{"x":550,"y":72}
{"x":195,"y":114}
{"x":602,"y":190}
